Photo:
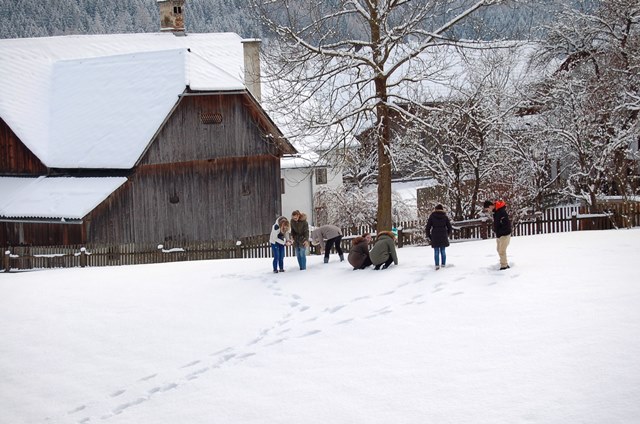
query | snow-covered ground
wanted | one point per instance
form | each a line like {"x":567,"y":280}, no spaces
{"x":554,"y":339}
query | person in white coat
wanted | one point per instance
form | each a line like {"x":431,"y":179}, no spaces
{"x":279,"y":238}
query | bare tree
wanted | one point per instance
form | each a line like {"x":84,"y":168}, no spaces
{"x":590,"y":106}
{"x":466,"y":139}
{"x":339,"y":67}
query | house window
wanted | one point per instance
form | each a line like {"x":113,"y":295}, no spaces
{"x":211,"y":118}
{"x":177,"y":10}
{"x":282,"y":185}
{"x":246,"y":189}
{"x":321,"y":176}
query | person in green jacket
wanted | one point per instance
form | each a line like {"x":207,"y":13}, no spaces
{"x":384,"y":251}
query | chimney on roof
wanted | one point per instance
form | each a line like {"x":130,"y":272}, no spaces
{"x":251,"y":48}
{"x":172,"y":16}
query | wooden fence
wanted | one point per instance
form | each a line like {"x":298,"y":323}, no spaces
{"x":409,"y":233}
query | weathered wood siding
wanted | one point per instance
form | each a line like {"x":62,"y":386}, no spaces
{"x":221,"y":199}
{"x":185,"y":137}
{"x":15,"y":158}
{"x":40,"y":234}
{"x":197,"y":181}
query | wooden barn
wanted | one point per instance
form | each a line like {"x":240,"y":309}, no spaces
{"x":135,"y":138}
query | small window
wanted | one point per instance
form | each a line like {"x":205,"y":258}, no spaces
{"x":246,"y":189}
{"x":177,"y":10}
{"x":282,"y":185}
{"x":211,"y":118}
{"x":321,"y":176}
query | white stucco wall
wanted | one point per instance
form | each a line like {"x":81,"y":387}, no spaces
{"x":300,"y":185}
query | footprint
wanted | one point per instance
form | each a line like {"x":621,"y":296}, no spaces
{"x":310,"y":333}
{"x":78,"y":409}
{"x":190,"y":364}
{"x":304,"y":308}
{"x":335,"y":309}
{"x":169,"y":386}
{"x":226,"y":349}
{"x":382,"y":312}
{"x":154,"y":390}
{"x":356,"y":299}
{"x":344,"y":321}
{"x":120,"y":408}
{"x":195,"y":374}
{"x":457,"y":293}
{"x":117,"y":393}
{"x":149,"y":377}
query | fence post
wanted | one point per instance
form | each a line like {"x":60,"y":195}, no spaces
{"x":83,"y":257}
{"x":6,"y":261}
{"x":400,"y":238}
{"x":574,"y":221}
{"x":484,"y":230}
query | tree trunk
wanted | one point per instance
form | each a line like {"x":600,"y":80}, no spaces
{"x":383,"y":131}
{"x":384,"y":216}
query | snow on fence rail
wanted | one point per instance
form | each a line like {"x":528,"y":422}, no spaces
{"x":409,"y":233}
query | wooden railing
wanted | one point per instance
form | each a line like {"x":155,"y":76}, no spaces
{"x":409,"y":233}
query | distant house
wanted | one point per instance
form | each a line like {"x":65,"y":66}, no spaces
{"x":302,"y":177}
{"x":135,"y":138}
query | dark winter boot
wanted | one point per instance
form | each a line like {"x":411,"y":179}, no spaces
{"x":326,"y":260}
{"x":341,"y":257}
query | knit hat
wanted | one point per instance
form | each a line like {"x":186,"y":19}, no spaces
{"x":487,"y":203}
{"x":439,"y":207}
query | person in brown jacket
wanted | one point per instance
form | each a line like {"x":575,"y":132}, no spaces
{"x":300,"y":236}
{"x":327,"y":236}
{"x":359,"y":253}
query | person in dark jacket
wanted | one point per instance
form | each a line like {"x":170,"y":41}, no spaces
{"x":438,"y":232}
{"x":300,"y":236}
{"x":359,"y":253}
{"x":502,"y":228}
{"x":384,"y":251}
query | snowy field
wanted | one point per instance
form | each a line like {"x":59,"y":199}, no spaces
{"x":554,"y":339}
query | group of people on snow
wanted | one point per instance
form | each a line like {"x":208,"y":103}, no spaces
{"x":285,"y":232}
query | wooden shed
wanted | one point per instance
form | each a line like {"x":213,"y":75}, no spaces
{"x":102,"y":153}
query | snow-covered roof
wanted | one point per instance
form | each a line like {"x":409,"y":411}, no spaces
{"x":305,"y":160}
{"x":54,"y":197}
{"x":96,"y":101}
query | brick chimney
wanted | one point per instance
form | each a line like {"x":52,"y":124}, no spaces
{"x":172,"y":16}
{"x":251,"y":48}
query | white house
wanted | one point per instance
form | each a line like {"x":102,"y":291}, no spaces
{"x":301,"y":177}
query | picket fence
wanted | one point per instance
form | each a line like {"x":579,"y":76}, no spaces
{"x":563,"y":219}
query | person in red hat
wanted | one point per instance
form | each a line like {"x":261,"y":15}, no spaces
{"x":502,"y":228}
